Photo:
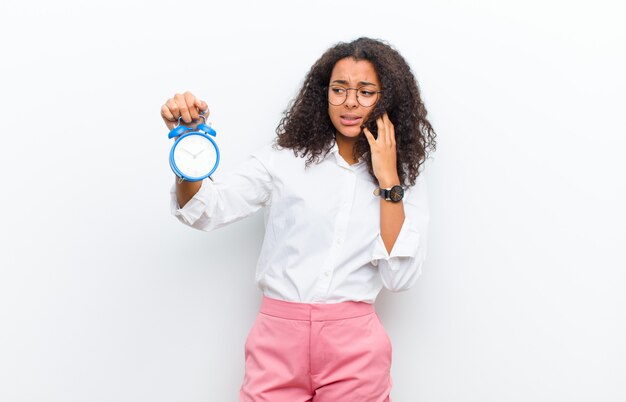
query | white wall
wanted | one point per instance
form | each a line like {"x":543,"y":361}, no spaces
{"x":104,"y":296}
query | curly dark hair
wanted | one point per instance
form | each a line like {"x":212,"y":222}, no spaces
{"x":306,"y":127}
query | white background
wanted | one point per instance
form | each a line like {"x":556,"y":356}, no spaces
{"x":104,"y":296}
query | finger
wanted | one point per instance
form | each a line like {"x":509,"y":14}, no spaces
{"x":190,"y":99}
{"x":182,"y":108}
{"x":388,"y":128}
{"x":370,"y":137}
{"x":167,"y":114}
{"x":382,"y":135}
{"x":203,"y":107}
{"x":172,"y":106}
{"x":392,"y":134}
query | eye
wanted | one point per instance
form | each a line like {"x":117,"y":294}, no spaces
{"x":338,"y":90}
{"x":366,"y":93}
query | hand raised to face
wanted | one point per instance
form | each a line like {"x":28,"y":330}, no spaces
{"x":383,"y":151}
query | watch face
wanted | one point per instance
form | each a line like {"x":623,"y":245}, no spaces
{"x":396,"y":193}
{"x":195,"y":156}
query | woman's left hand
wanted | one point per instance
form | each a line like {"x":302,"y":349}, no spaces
{"x":383,"y":150}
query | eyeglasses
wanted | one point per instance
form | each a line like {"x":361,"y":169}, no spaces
{"x":365,"y":96}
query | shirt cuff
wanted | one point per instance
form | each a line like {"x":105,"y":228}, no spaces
{"x":407,"y":245}
{"x":195,"y":207}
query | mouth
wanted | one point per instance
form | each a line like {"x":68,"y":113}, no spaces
{"x":350,"y":119}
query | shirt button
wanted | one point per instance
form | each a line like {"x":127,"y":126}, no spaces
{"x":327,"y":274}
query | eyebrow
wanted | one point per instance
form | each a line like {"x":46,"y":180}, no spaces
{"x":344,"y":82}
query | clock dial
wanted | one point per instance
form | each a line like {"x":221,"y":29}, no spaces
{"x":195,"y":156}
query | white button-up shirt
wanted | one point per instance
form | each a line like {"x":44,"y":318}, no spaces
{"x":322,"y":239}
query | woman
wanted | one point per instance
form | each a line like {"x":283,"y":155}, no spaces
{"x":346,"y":215}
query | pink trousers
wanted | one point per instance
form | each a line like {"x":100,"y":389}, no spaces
{"x":299,"y":352}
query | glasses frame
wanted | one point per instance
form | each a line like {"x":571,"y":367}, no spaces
{"x":347,"y":92}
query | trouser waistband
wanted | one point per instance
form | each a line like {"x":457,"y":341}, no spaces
{"x":314,"y":311}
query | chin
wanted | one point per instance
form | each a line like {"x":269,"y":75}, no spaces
{"x":350,"y":133}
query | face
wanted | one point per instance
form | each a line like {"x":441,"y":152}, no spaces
{"x":349,"y":116}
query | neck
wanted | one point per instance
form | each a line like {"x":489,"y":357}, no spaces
{"x":346,"y":148}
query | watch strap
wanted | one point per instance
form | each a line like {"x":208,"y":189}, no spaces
{"x":385,"y":193}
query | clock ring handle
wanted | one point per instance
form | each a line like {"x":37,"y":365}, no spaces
{"x":181,"y":119}
{"x":181,"y":129}
{"x":206,"y":126}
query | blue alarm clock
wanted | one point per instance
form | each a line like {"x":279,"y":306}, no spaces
{"x":194,"y":155}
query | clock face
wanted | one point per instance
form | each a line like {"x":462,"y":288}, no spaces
{"x":195,"y":156}
{"x":396,"y":193}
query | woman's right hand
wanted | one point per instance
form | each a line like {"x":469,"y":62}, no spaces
{"x":185,"y":105}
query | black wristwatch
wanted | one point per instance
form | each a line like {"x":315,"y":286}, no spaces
{"x":393,"y":194}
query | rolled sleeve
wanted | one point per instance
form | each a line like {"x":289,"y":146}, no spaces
{"x":230,"y":197}
{"x":400,"y":269}
{"x":201,"y":202}
{"x":406,"y":245}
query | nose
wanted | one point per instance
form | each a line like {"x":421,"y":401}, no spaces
{"x":351,"y":100}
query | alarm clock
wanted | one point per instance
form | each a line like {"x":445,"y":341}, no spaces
{"x":194,"y":155}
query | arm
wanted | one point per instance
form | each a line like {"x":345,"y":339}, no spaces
{"x":383,"y":151}
{"x":391,"y":217}
{"x":400,"y":249}
{"x":230,"y":197}
{"x":185,"y":190}
{"x":401,"y":265}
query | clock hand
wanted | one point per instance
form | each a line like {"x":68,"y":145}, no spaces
{"x":189,"y":152}
{"x":198,"y":153}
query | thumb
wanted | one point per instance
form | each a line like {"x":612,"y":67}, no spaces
{"x":202,"y":106}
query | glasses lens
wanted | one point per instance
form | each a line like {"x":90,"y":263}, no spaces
{"x":337,"y":95}
{"x":366,"y":97}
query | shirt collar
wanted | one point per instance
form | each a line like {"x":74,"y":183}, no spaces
{"x":334,"y":150}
